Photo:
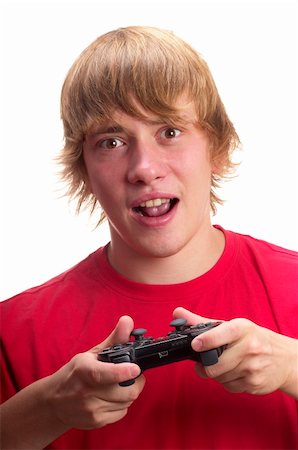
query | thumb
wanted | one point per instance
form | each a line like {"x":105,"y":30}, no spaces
{"x":119,"y":335}
{"x":191,"y":318}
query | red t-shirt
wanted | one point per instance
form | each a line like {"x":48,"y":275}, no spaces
{"x":44,"y":327}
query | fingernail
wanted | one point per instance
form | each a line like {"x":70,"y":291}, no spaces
{"x":134,"y":371}
{"x":197,"y":345}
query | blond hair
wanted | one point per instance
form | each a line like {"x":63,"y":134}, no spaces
{"x":143,"y":66}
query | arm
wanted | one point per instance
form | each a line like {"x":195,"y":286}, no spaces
{"x":83,"y":394}
{"x":256,"y":360}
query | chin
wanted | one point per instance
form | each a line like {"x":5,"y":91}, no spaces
{"x":159,"y":250}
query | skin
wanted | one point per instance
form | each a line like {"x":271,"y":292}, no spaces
{"x":256,"y":360}
{"x":84,"y":394}
{"x":143,"y":160}
{"x":148,"y":159}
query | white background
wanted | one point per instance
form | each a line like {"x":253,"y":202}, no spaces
{"x":251,"y":48}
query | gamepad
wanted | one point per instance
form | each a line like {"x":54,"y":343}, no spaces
{"x":148,"y":352}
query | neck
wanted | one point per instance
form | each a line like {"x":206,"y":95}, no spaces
{"x":192,"y":261}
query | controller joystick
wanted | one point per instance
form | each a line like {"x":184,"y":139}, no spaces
{"x":179,"y":324}
{"x":138,"y":333}
{"x":149,"y":353}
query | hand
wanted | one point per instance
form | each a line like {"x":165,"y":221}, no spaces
{"x":85,"y":393}
{"x":256,"y":360}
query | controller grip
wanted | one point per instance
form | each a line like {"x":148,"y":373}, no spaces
{"x":121,"y":359}
{"x":210,"y":357}
{"x":127,"y":383}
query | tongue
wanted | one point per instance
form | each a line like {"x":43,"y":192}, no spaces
{"x":156,"y":211}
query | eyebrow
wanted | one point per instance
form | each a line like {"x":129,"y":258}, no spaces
{"x":106,"y":129}
{"x":116,"y":128}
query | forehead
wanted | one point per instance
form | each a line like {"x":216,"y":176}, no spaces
{"x":184,"y":112}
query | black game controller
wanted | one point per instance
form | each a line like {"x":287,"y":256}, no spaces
{"x":147,"y":352}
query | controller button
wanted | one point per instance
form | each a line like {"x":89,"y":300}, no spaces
{"x":121,"y":359}
{"x":146,"y":341}
{"x":138,"y":333}
{"x":179,"y":324}
{"x":106,"y":350}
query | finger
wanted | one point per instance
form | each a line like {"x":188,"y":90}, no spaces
{"x":116,"y":396}
{"x":200,"y":370}
{"x":231,"y":381}
{"x":95,"y":373}
{"x":110,"y":373}
{"x":123,"y":396}
{"x":226,"y":334}
{"x":100,"y":420}
{"x":192,"y":319}
{"x":99,"y":413}
{"x":119,"y":335}
{"x":235,"y":386}
{"x":126,"y":394}
{"x":226,"y":369}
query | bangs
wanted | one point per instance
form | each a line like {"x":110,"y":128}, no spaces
{"x":126,"y":69}
{"x":140,"y":70}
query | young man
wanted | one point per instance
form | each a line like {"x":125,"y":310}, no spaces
{"x":147,"y":137}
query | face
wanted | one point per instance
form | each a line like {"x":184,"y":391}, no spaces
{"x":153,"y":181}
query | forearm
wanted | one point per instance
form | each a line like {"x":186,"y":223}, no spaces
{"x":27,"y":421}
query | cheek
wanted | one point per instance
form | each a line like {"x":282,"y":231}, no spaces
{"x":197,"y":166}
{"x":106,"y":187}
{"x":198,"y":180}
{"x":101,"y":187}
{"x":100,"y":176}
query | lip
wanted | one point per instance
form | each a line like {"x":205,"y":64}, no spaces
{"x":150,"y":196}
{"x":153,"y":222}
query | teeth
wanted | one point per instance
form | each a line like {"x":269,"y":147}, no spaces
{"x":154,"y":202}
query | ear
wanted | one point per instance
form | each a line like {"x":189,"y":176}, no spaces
{"x":85,"y":178}
{"x":217,"y":164}
{"x":215,"y":170}
{"x":89,"y":186}
{"x":217,"y":159}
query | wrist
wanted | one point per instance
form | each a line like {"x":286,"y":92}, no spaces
{"x":290,"y":385}
{"x":27,"y":420}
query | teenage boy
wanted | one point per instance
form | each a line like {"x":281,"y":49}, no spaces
{"x":148,"y":139}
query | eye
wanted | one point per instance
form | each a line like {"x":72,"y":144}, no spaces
{"x":110,"y":144}
{"x":170,"y":133}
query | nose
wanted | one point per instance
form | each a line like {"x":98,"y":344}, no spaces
{"x":146,"y":164}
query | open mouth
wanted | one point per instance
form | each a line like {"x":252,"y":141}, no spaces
{"x":156,"y":207}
